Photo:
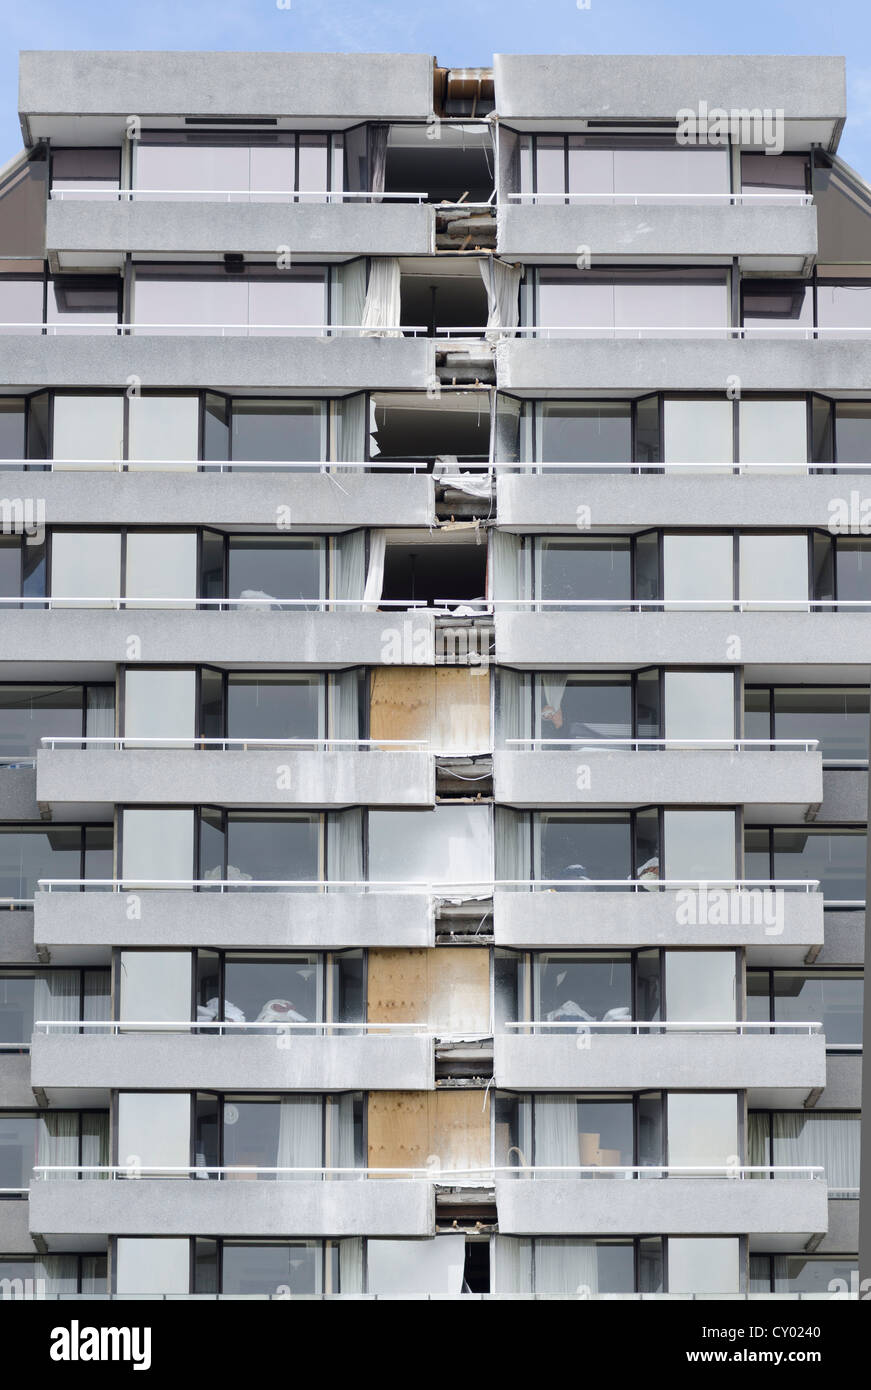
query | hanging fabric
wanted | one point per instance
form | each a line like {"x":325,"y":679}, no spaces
{"x":378,"y":136}
{"x":381,"y":313}
{"x":375,"y":570}
{"x":502,"y":283}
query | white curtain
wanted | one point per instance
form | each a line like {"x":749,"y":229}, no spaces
{"x":345,"y":711}
{"x":95,"y":1142}
{"x":351,"y":431}
{"x":566,"y":1266}
{"x":299,"y":1136}
{"x":93,"y":1274}
{"x":342,"y":1132}
{"x":351,"y":1265}
{"x":502,"y":283}
{"x":97,"y":999}
{"x":56,"y":997}
{"x":829,"y":1139}
{"x":512,"y":844}
{"x":58,"y":1141}
{"x":349,"y":570}
{"x":512,"y":1265}
{"x":100,"y":718}
{"x":506,"y":575}
{"x":556,"y":1135}
{"x":59,"y":1273}
{"x":350,"y":295}
{"x":345,"y":846}
{"x":382,"y":309}
{"x":505,"y":430}
{"x":416,"y":1266}
{"x":554,"y":686}
{"x":375,"y":570}
{"x":378,"y":135}
{"x":513,"y":707}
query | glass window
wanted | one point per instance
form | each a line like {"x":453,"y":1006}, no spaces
{"x":781,"y":309}
{"x":154,"y":1130}
{"x":582,"y":987}
{"x":152,"y":1265}
{"x":450,"y":845}
{"x":296,"y":1266}
{"x":93,"y":173}
{"x":264,"y":847}
{"x":702,"y":1130}
{"x":687,"y":170}
{"x":708,"y":1265}
{"x":837,"y":717}
{"x":582,"y":847}
{"x":21,"y":299}
{"x":29,"y":713}
{"x":700,"y":986}
{"x":699,"y":705}
{"x":697,"y":568}
{"x":828,"y":1139}
{"x":29,"y":853}
{"x":174,"y":305}
{"x":845,"y":306}
{"x":263,"y":705}
{"x":164,"y":430}
{"x":30,"y":996}
{"x":584,"y":707}
{"x":272,"y":430}
{"x":168,"y":171}
{"x":586,"y":304}
{"x":853,"y":560}
{"x":853,"y":431}
{"x":160,"y":704}
{"x":830,"y":997}
{"x":263,"y":568}
{"x":835,"y":857}
{"x":772,"y":431}
{"x":772,"y":172}
{"x":158,"y":844}
{"x":85,"y":566}
{"x":18,"y":1150}
{"x":155,"y":986}
{"x":258,"y":989}
{"x":161,"y":565}
{"x":83,"y":304}
{"x":12,"y":415}
{"x":814,"y":1274}
{"x":698,"y":431}
{"x":583,"y":432}
{"x":87,"y":429}
{"x":598,"y":568}
{"x":773,"y":569}
{"x":700,"y":845}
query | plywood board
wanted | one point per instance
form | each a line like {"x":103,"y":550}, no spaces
{"x":447,"y":708}
{"x":447,"y":988}
{"x":420,"y":1129}
{"x":397,"y":986}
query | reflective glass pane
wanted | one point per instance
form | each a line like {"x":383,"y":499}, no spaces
{"x":697,"y":568}
{"x":773,"y":569}
{"x":853,"y":562}
{"x":582,"y":988}
{"x":264,"y":569}
{"x":293,"y":431}
{"x":164,"y":430}
{"x":584,"y":432}
{"x":700,"y":986}
{"x":160,"y":704}
{"x":698,"y":431}
{"x":274,"y":707}
{"x":161,"y":565}
{"x":31,"y":853}
{"x":21,"y":304}
{"x":703,"y":1265}
{"x":451,"y":844}
{"x":773,"y":432}
{"x":154,"y":1129}
{"x":158,"y":844}
{"x":87,"y":428}
{"x":288,"y":990}
{"x":583,"y":847}
{"x":702,"y":1130}
{"x":152,"y":1265}
{"x":837,"y":717}
{"x":599,"y":568}
{"x":699,"y":844}
{"x":830,"y":997}
{"x":699,"y":705}
{"x":29,"y":713}
{"x":295,"y":1267}
{"x":85,"y":565}
{"x":155,"y":986}
{"x":835,"y":857}
{"x":577,"y":707}
{"x":261,"y":847}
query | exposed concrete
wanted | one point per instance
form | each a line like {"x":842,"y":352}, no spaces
{"x":65,"y":923}
{"x":845,"y":939}
{"x":631,"y":920}
{"x":583,"y":776}
{"x":785,"y":237}
{"x":234,"y":1062}
{"x":16,"y":938}
{"x":331,"y":230}
{"x":845,"y":796}
{"x":843,"y":1082}
{"x":15,"y":1237}
{"x":246,"y":639}
{"x":554,"y":640}
{"x":344,"y":1207}
{"x":842,"y":1237}
{"x":246,"y":497}
{"x":149,"y":83}
{"x":16,"y":1092}
{"x":256,"y":777}
{"x":548,"y":87}
{"x":311,"y":363}
{"x":672,"y":1206}
{"x":18,"y":794}
{"x":591,"y":366}
{"x":549,"y":501}
{"x":670,"y":1061}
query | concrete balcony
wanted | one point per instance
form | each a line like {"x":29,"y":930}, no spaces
{"x":787,"y":780}
{"x":842,"y":1235}
{"x":342,"y":1207}
{"x":16,"y":937}
{"x":72,"y":781}
{"x":73,"y":927}
{"x":678,"y":1206}
{"x":71,"y":1069}
{"x":763,"y":238}
{"x":609,"y":640}
{"x":784,"y":1068}
{"x":845,"y":796}
{"x":676,"y":360}
{"x":548,"y":502}
{"x":18,"y":794}
{"x":16,"y":1092}
{"x":247,"y":496}
{"x":15,"y":1237}
{"x":312,"y":362}
{"x":82,"y":232}
{"x":843,"y":1082}
{"x":243,"y":638}
{"x":773,"y":930}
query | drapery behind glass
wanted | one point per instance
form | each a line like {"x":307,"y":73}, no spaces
{"x":299,"y":1136}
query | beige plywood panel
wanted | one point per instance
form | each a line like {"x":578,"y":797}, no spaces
{"x":398,"y":1127}
{"x":462,"y":710}
{"x":398,"y":986}
{"x":402,"y":702}
{"x":459,"y":989}
{"x":460,"y":1128}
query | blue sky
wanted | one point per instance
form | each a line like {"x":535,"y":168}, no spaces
{"x":458,"y":32}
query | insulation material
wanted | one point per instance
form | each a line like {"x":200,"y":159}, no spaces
{"x":405,"y":1267}
{"x":447,"y":708}
{"x":447,"y":988}
{"x":447,"y":1130}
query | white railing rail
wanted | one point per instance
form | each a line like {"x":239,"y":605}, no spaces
{"x":430,"y":888}
{"x":289,"y":195}
{"x":446,"y":1176}
{"x":315,"y":742}
{"x":423,"y":463}
{"x":738,"y":1026}
{"x":271,"y":603}
{"x":115,"y":1027}
{"x":807,"y":745}
{"x":669,"y":330}
{"x":775,"y":198}
{"x":119,"y":327}
{"x":641,"y":605}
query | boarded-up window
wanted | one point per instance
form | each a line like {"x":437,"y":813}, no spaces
{"x":414,"y":1129}
{"x":446,"y":987}
{"x":448,"y":708}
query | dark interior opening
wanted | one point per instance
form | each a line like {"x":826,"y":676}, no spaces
{"x":427,"y":572}
{"x":443,"y":301}
{"x":419,"y":432}
{"x":476,"y":1272}
{"x":444,"y":173}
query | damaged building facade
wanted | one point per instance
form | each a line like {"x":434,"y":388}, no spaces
{"x":432,"y":826}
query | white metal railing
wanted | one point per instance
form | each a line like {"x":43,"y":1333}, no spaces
{"x":320,"y":605}
{"x":423,"y":464}
{"x":663,"y":466}
{"x":251,"y":195}
{"x":627,"y":1025}
{"x":715,"y":331}
{"x":314,"y":743}
{"x":807,"y":745}
{"x":442,"y":1176}
{"x":119,"y":328}
{"x":430,"y":888}
{"x":482,"y":605}
{"x":733,"y":199}
{"x":642,"y":605}
{"x":115,"y":1027}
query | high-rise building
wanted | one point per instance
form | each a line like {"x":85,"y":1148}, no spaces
{"x":435,"y":578}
